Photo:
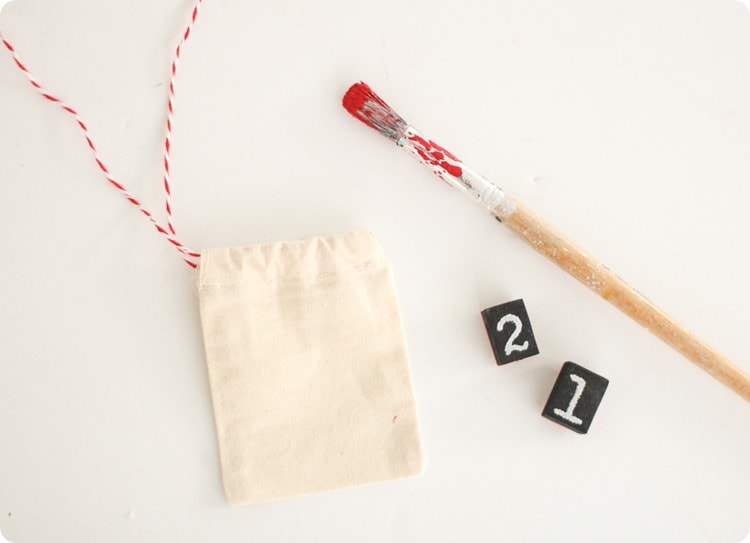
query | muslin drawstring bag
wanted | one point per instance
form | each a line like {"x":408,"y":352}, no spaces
{"x":305,"y":351}
{"x":308,"y":367}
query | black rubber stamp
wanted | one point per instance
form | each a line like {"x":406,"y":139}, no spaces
{"x":575,"y":397}
{"x":509,"y":329}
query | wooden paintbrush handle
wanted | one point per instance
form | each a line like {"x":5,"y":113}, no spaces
{"x":547,"y":241}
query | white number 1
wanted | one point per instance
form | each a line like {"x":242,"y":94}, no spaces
{"x":568,"y":413}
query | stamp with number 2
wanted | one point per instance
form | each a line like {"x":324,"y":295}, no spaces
{"x":509,"y":329}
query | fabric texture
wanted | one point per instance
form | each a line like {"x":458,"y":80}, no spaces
{"x":308,"y":367}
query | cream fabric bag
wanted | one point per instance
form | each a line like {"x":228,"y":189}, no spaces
{"x":308,"y":367}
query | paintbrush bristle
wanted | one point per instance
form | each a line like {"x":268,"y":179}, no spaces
{"x":368,"y":107}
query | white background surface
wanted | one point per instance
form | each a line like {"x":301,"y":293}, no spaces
{"x":624,"y":123}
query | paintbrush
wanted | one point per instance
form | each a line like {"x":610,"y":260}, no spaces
{"x":369,"y":108}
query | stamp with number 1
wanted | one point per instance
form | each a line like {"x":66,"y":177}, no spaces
{"x":509,"y":329}
{"x":575,"y":397}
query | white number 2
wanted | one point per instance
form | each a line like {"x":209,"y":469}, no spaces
{"x":509,"y":345}
{"x":568,"y":413}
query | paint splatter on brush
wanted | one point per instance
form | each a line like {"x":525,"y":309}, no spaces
{"x":435,"y":155}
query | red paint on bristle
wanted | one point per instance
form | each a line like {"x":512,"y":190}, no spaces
{"x":362,"y":103}
{"x":356,"y":97}
{"x":368,"y":107}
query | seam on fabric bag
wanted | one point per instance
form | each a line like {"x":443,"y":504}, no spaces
{"x":358,"y":268}
{"x":203,"y":270}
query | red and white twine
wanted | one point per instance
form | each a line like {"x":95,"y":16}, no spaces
{"x":188,"y":255}
{"x":170,"y":119}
